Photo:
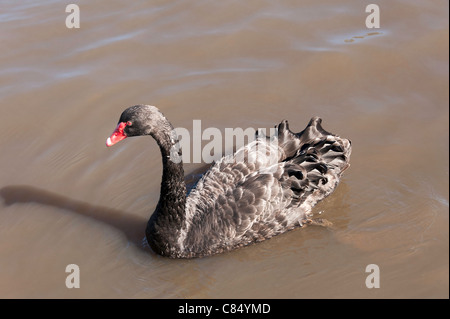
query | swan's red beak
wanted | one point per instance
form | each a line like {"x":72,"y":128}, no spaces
{"x":117,"y":135}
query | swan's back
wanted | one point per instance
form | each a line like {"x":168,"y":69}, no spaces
{"x":266,"y":188}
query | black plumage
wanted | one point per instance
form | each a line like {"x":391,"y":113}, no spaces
{"x":264,"y":189}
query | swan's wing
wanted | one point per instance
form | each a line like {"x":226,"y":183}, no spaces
{"x":312,"y":162}
{"x":262,"y":204}
{"x":239,"y":202}
{"x":224,"y":204}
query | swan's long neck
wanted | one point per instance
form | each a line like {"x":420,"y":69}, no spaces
{"x":166,"y":222}
{"x":172,"y":198}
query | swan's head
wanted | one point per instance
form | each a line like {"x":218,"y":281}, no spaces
{"x":137,"y":120}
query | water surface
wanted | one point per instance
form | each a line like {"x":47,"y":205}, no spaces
{"x":67,"y":199}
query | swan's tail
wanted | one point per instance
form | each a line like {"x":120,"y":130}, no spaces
{"x":313,"y":158}
{"x":329,"y":148}
{"x":313,"y":162}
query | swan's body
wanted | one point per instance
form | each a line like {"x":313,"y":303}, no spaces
{"x":262,"y":190}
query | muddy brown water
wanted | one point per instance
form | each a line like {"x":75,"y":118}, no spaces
{"x":67,"y":199}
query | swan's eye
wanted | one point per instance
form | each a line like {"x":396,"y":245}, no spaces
{"x":129,"y":123}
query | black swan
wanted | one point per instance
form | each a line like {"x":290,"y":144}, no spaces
{"x":237,"y":202}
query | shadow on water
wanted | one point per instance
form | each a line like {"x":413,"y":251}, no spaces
{"x":132,"y":226}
